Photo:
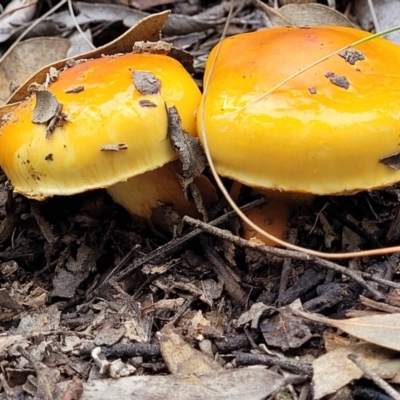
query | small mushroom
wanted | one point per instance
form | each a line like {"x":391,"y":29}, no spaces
{"x":285,"y":138}
{"x":109,"y":124}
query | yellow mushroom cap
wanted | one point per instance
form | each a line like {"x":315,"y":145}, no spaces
{"x":109,"y":110}
{"x":310,"y":135}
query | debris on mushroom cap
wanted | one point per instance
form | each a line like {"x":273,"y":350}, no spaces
{"x":107,"y":112}
{"x":326,"y":141}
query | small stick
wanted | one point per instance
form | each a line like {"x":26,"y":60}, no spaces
{"x":163,"y":250}
{"x":224,"y":234}
{"x":246,"y":359}
{"x":371,"y":374}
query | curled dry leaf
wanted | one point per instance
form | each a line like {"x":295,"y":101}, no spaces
{"x":187,"y":147}
{"x":147,"y":29}
{"x":192,"y":157}
{"x":114,"y":147}
{"x":45,"y":108}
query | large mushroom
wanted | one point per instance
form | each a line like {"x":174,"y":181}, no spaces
{"x":98,"y":123}
{"x":331,"y":129}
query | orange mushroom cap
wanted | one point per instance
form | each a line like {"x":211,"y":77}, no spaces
{"x":326,"y":131}
{"x":102,"y":107}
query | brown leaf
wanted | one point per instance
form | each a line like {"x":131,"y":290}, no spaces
{"x":145,"y":82}
{"x":253,"y":383}
{"x":147,"y":29}
{"x":75,"y":271}
{"x":305,"y":15}
{"x":6,"y":301}
{"x":180,"y":357}
{"x":25,"y":58}
{"x":188,"y":147}
{"x":14,"y":15}
{"x":284,"y":330}
{"x":382,"y":330}
{"x":334,"y":370}
{"x":391,"y":161}
{"x":146,"y":4}
{"x":45,"y":108}
{"x":352,"y":56}
{"x":192,"y":157}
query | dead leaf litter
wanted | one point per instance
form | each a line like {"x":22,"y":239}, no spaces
{"x":92,"y":300}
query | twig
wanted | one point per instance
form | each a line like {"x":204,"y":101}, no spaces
{"x":162,"y":251}
{"x":369,"y":373}
{"x":77,"y":26}
{"x":224,"y":234}
{"x":374,"y":16}
{"x":224,"y":273}
{"x":377,"y":305}
{"x":263,"y":359}
{"x":185,"y":306}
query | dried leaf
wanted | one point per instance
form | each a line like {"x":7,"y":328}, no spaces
{"x":187,"y":147}
{"x":352,"y":56}
{"x":387,"y":13}
{"x":25,"y":58}
{"x":284,"y":330}
{"x":284,"y":2}
{"x":192,"y":157}
{"x":6,"y":301}
{"x":94,"y":13}
{"x":340,"y":81}
{"x":147,"y":29}
{"x":68,"y":279}
{"x":392,"y":161}
{"x":107,"y":336}
{"x":46,"y":321}
{"x":7,"y":341}
{"x":382,"y":330}
{"x":113,"y":147}
{"x":179,"y":24}
{"x":253,"y":383}
{"x":146,"y":4}
{"x":78,"y":44}
{"x":181,"y":358}
{"x":17,"y":13}
{"x":159,"y":47}
{"x":253,"y":315}
{"x":145,"y":82}
{"x":47,"y":380}
{"x":305,"y":15}
{"x":147,"y":103}
{"x":45,"y":108}
{"x":334,"y":370}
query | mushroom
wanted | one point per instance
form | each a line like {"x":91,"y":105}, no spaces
{"x":277,"y":125}
{"x":98,"y":123}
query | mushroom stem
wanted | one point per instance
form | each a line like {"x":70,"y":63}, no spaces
{"x":143,"y":193}
{"x":274,"y":215}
